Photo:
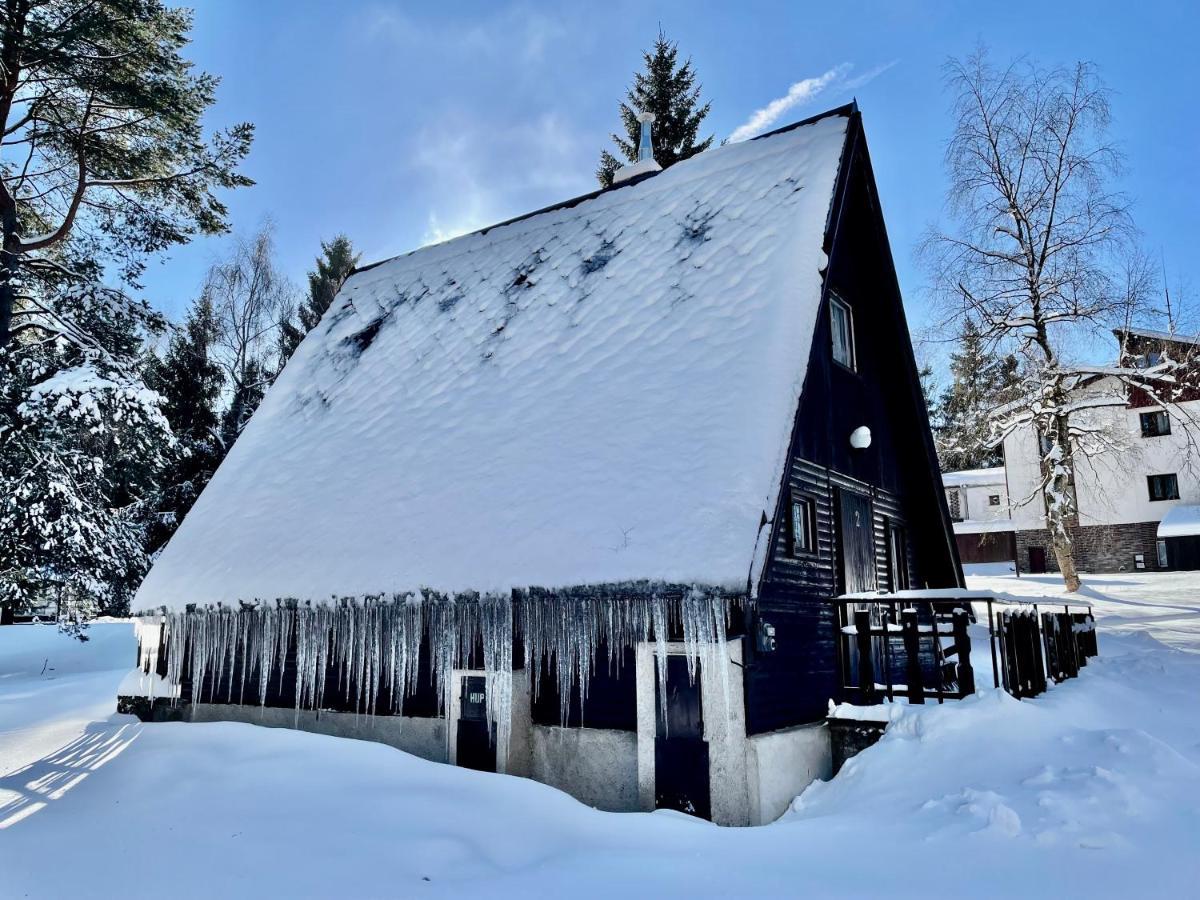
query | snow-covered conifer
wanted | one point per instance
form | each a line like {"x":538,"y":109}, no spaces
{"x":670,"y":92}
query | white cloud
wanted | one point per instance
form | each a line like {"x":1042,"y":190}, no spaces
{"x":477,"y":173}
{"x":517,"y":30}
{"x":801,"y":93}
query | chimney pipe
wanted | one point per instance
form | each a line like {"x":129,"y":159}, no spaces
{"x":645,"y":154}
{"x":645,"y":145}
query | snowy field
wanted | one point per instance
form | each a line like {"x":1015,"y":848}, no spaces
{"x":1092,"y":790}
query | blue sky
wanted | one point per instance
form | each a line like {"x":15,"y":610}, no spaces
{"x":398,"y":123}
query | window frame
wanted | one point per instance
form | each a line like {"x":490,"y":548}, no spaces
{"x":898,"y":575}
{"x":836,"y":302}
{"x":1154,"y":415}
{"x":1165,"y":479}
{"x":993,"y":499}
{"x":809,"y":502}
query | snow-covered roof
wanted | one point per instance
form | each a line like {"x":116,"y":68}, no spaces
{"x":1158,"y":335}
{"x":974,"y":477}
{"x":599,"y":392}
{"x":983,"y":526}
{"x":1180,"y":521}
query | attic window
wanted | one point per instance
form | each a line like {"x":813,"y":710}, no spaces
{"x":841,"y":324}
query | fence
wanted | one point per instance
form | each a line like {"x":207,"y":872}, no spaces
{"x":920,"y":647}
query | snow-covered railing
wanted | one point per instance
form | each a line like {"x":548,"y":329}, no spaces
{"x":917,"y":644}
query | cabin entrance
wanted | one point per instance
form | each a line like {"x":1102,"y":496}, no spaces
{"x":475,"y":747}
{"x":856,"y":542}
{"x":1037,"y":560}
{"x":680,"y":750}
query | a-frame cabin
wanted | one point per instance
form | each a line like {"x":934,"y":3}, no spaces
{"x":634,"y":443}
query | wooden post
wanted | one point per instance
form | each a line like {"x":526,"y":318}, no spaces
{"x":1037,"y":665}
{"x":888,"y":614}
{"x":992,"y":640}
{"x":866,"y":666}
{"x":962,"y":653}
{"x":912,"y":652}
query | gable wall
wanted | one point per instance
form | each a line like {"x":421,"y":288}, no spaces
{"x":793,"y":684}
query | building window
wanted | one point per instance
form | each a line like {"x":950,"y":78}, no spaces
{"x":1155,"y":424}
{"x":1161,"y":546}
{"x":1163,"y":487}
{"x":897,"y":557}
{"x":954,"y":500}
{"x":842,"y":326}
{"x":993,"y":499}
{"x":803,"y":525}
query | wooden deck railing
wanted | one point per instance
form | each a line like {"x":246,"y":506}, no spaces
{"x":919,"y":646}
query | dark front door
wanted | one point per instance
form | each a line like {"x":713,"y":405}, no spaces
{"x":476,"y":750}
{"x":1037,"y":560}
{"x":680,"y":751}
{"x":856,"y":541}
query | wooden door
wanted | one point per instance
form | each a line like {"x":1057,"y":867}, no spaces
{"x":856,"y":542}
{"x":680,"y":752}
{"x":1037,"y":560}
{"x":475,"y":748}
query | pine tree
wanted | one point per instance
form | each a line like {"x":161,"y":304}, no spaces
{"x":334,"y":265}
{"x":671,"y":93}
{"x":189,"y":380}
{"x":104,"y":118}
{"x":82,"y":443}
{"x":981,"y":383}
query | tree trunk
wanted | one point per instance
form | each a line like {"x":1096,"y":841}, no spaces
{"x":1064,"y":554}
{"x":9,"y":267}
{"x":1061,"y":508}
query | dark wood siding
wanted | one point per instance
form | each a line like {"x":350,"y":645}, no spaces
{"x":793,"y":684}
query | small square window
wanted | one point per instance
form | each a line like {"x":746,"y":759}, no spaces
{"x":1155,"y":424}
{"x":803,"y":525}
{"x":841,"y":324}
{"x":1163,"y":487}
{"x":993,"y":499}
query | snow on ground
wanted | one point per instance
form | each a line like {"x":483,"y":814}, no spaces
{"x":1091,"y":790}
{"x":1163,"y":604}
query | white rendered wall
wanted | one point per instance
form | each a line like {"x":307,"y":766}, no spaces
{"x":1111,"y":486}
{"x":781,"y":764}
{"x":597,"y":766}
{"x":421,"y":737}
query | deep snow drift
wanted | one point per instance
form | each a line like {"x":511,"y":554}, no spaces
{"x":1090,"y":790}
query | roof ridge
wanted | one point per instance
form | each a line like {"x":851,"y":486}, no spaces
{"x":845,"y":110}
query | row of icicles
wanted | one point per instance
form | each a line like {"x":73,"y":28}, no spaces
{"x":375,"y":642}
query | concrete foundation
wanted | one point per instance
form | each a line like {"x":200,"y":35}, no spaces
{"x":752,"y":780}
{"x":425,"y":738}
{"x":596,"y":766}
{"x":781,"y":764}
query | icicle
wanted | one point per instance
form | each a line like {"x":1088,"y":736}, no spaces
{"x":374,"y":643}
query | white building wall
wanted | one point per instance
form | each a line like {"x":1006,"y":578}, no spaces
{"x":1111,"y":487}
{"x":975,"y":489}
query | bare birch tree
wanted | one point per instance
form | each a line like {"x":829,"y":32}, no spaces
{"x":251,"y":299}
{"x":1042,"y":256}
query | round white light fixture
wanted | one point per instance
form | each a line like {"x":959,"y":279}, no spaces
{"x":860,"y":438}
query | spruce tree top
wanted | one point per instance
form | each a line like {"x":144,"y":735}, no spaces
{"x":673,"y":95}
